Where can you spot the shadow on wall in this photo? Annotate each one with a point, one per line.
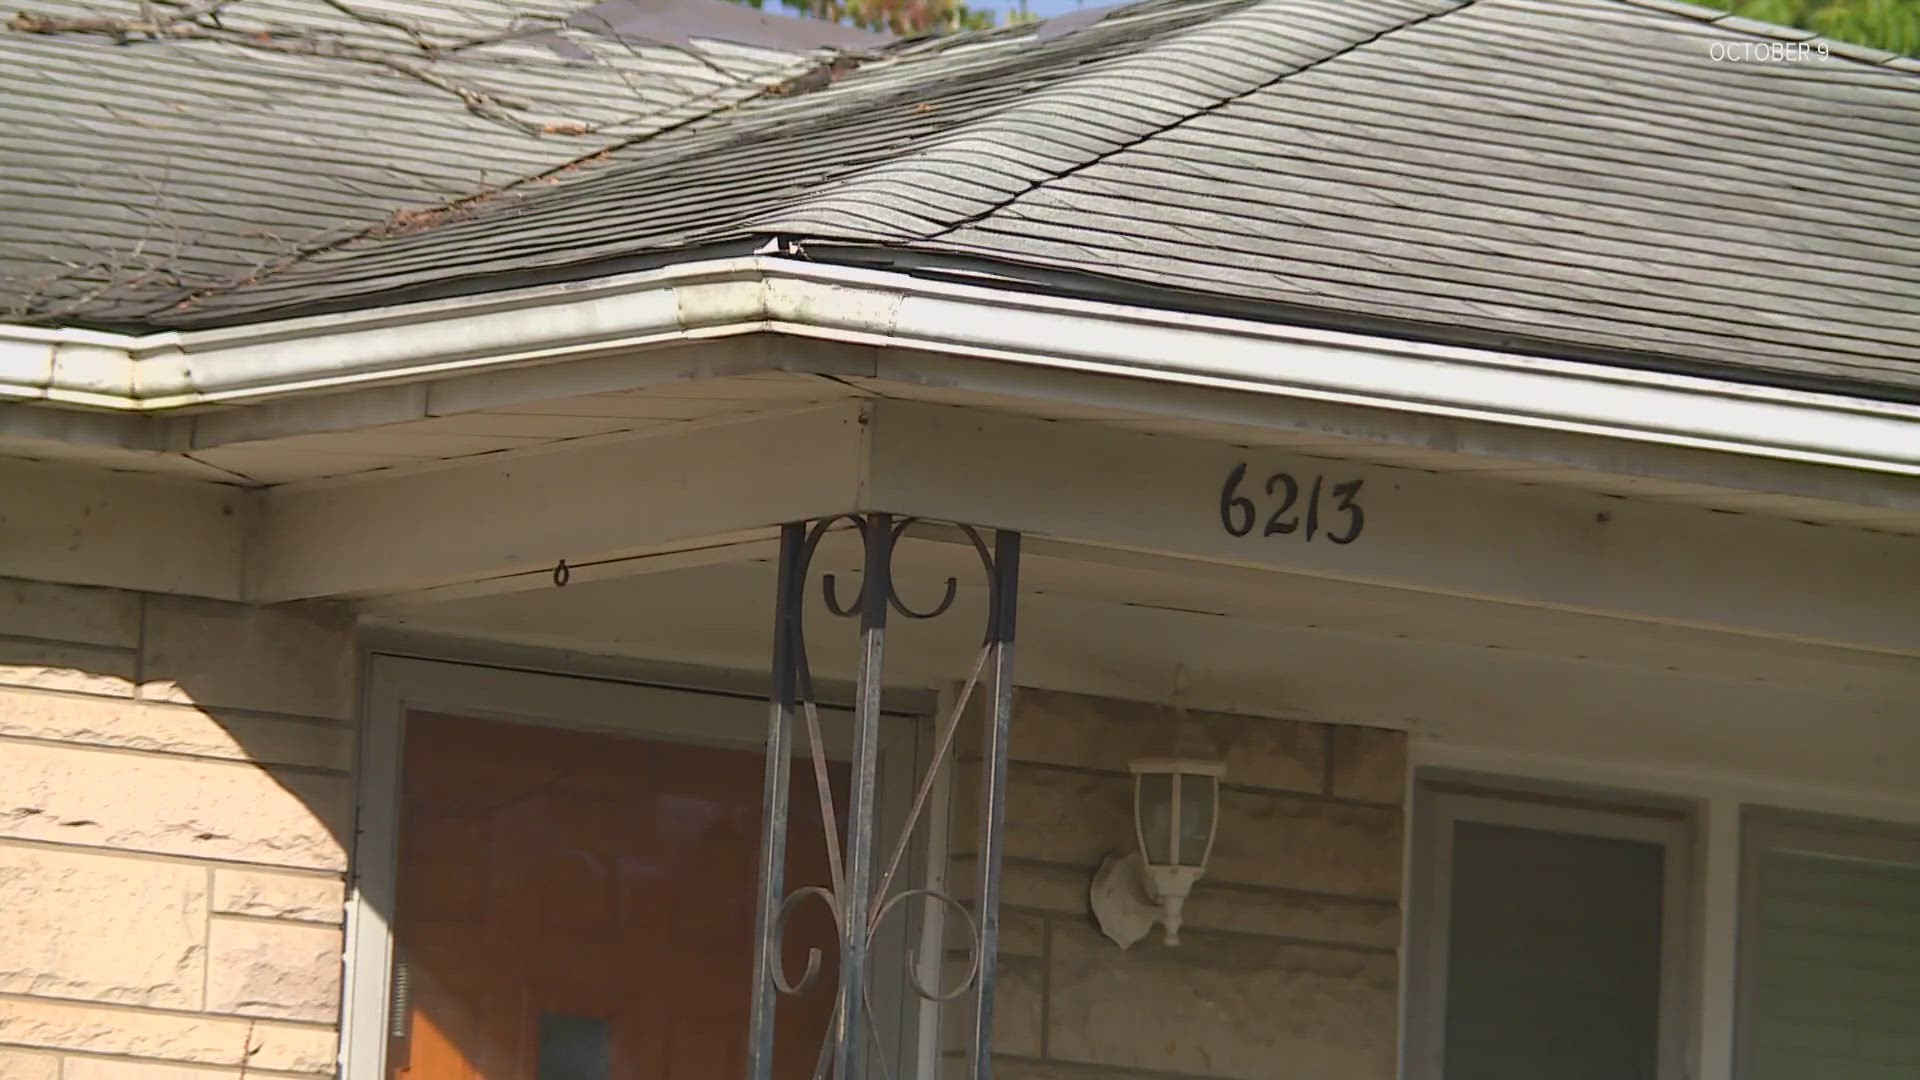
(176, 807)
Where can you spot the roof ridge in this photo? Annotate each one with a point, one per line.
(1242, 49)
(1759, 28)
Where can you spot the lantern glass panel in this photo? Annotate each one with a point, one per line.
(1197, 805)
(1153, 802)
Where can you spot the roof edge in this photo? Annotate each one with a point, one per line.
(249, 365)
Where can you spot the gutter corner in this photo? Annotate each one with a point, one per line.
(730, 303)
(804, 302)
(162, 371)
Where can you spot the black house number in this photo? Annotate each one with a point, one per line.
(1239, 513)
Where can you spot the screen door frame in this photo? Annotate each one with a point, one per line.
(397, 685)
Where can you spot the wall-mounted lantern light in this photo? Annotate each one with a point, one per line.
(1176, 812)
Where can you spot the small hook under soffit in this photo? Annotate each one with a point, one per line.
(562, 573)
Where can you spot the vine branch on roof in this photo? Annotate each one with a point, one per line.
(201, 22)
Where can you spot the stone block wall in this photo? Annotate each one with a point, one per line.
(174, 811)
(1288, 963)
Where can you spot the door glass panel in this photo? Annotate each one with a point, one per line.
(574, 1047)
(1554, 956)
(580, 906)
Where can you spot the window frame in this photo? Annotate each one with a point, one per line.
(1439, 804)
(1765, 829)
(397, 684)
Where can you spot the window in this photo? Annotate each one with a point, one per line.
(1549, 939)
(1829, 951)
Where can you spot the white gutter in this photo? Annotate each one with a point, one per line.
(413, 342)
(247, 364)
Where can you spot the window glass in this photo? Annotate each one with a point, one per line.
(1549, 936)
(1833, 947)
(1554, 956)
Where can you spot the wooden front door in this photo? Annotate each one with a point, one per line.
(580, 906)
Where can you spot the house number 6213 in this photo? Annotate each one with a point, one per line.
(1239, 514)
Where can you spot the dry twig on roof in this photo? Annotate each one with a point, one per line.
(202, 24)
(177, 20)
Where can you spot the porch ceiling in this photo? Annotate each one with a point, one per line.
(1101, 622)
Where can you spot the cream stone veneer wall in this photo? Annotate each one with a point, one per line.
(1287, 966)
(174, 798)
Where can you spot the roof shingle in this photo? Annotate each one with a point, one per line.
(139, 172)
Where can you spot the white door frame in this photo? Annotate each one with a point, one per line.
(398, 684)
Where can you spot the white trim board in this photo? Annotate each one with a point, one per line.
(1628, 773)
(89, 526)
(485, 519)
(712, 492)
(1446, 534)
(492, 523)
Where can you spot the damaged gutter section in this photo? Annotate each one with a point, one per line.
(158, 373)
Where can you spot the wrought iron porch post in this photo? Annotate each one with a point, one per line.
(876, 592)
(993, 788)
(862, 893)
(776, 791)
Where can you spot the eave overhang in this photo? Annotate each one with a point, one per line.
(178, 372)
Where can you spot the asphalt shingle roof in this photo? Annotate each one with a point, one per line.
(1579, 177)
(135, 173)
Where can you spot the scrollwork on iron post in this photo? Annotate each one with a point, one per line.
(859, 903)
